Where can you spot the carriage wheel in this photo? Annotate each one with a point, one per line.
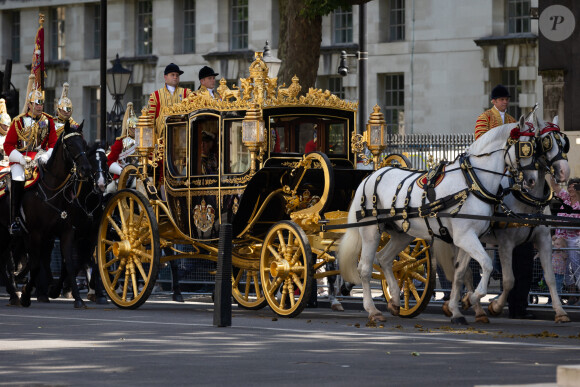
(415, 271)
(130, 171)
(128, 250)
(395, 159)
(247, 290)
(286, 269)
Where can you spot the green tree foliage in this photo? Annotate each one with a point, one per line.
(301, 36)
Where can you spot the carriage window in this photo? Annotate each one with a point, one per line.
(205, 140)
(307, 135)
(336, 139)
(177, 149)
(238, 156)
(278, 140)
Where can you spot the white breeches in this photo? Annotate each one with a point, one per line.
(17, 172)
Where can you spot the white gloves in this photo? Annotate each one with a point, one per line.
(115, 168)
(43, 159)
(17, 157)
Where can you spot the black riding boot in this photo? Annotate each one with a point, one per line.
(16, 188)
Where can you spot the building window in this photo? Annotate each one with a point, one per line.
(134, 94)
(343, 25)
(335, 86)
(97, 31)
(50, 101)
(144, 27)
(511, 80)
(94, 113)
(188, 85)
(394, 102)
(189, 26)
(57, 33)
(15, 32)
(396, 20)
(239, 25)
(518, 16)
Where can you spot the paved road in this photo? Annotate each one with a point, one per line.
(164, 343)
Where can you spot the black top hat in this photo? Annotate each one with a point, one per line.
(500, 91)
(172, 68)
(206, 72)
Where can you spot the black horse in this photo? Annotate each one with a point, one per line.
(44, 210)
(84, 215)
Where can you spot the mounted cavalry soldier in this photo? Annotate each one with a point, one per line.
(31, 136)
(64, 109)
(123, 147)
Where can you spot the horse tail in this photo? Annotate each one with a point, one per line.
(348, 253)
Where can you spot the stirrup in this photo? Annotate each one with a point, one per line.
(16, 228)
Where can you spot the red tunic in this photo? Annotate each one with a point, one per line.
(46, 140)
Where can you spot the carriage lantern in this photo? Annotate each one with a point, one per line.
(144, 134)
(253, 133)
(375, 134)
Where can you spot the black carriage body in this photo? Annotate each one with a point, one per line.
(199, 198)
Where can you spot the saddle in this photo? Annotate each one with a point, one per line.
(431, 179)
(31, 179)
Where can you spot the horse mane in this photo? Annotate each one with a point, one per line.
(482, 144)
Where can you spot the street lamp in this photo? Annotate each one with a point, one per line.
(117, 81)
(272, 63)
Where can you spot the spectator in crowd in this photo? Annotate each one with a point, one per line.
(571, 198)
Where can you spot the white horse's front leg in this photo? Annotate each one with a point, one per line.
(458, 279)
(470, 243)
(386, 257)
(505, 251)
(370, 243)
(544, 244)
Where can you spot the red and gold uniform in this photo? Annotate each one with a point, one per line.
(123, 147)
(489, 119)
(163, 98)
(27, 135)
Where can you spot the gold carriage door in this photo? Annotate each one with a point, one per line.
(205, 164)
(176, 176)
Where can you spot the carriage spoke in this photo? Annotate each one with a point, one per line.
(112, 222)
(256, 284)
(298, 282)
(140, 268)
(142, 254)
(274, 253)
(111, 262)
(274, 286)
(238, 278)
(122, 217)
(131, 207)
(283, 297)
(282, 241)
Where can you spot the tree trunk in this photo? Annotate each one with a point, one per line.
(299, 45)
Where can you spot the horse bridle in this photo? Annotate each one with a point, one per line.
(75, 157)
(101, 171)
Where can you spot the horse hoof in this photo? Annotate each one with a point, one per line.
(377, 318)
(177, 297)
(482, 318)
(53, 292)
(42, 298)
(14, 301)
(102, 300)
(92, 297)
(394, 309)
(337, 307)
(491, 310)
(446, 309)
(563, 318)
(80, 304)
(25, 301)
(459, 321)
(465, 303)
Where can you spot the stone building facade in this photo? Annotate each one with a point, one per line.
(431, 64)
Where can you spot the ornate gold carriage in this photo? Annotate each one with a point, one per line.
(273, 164)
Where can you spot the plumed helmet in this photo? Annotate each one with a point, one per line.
(129, 120)
(4, 117)
(64, 102)
(36, 95)
(500, 91)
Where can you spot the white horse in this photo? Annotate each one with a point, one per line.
(552, 155)
(475, 177)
